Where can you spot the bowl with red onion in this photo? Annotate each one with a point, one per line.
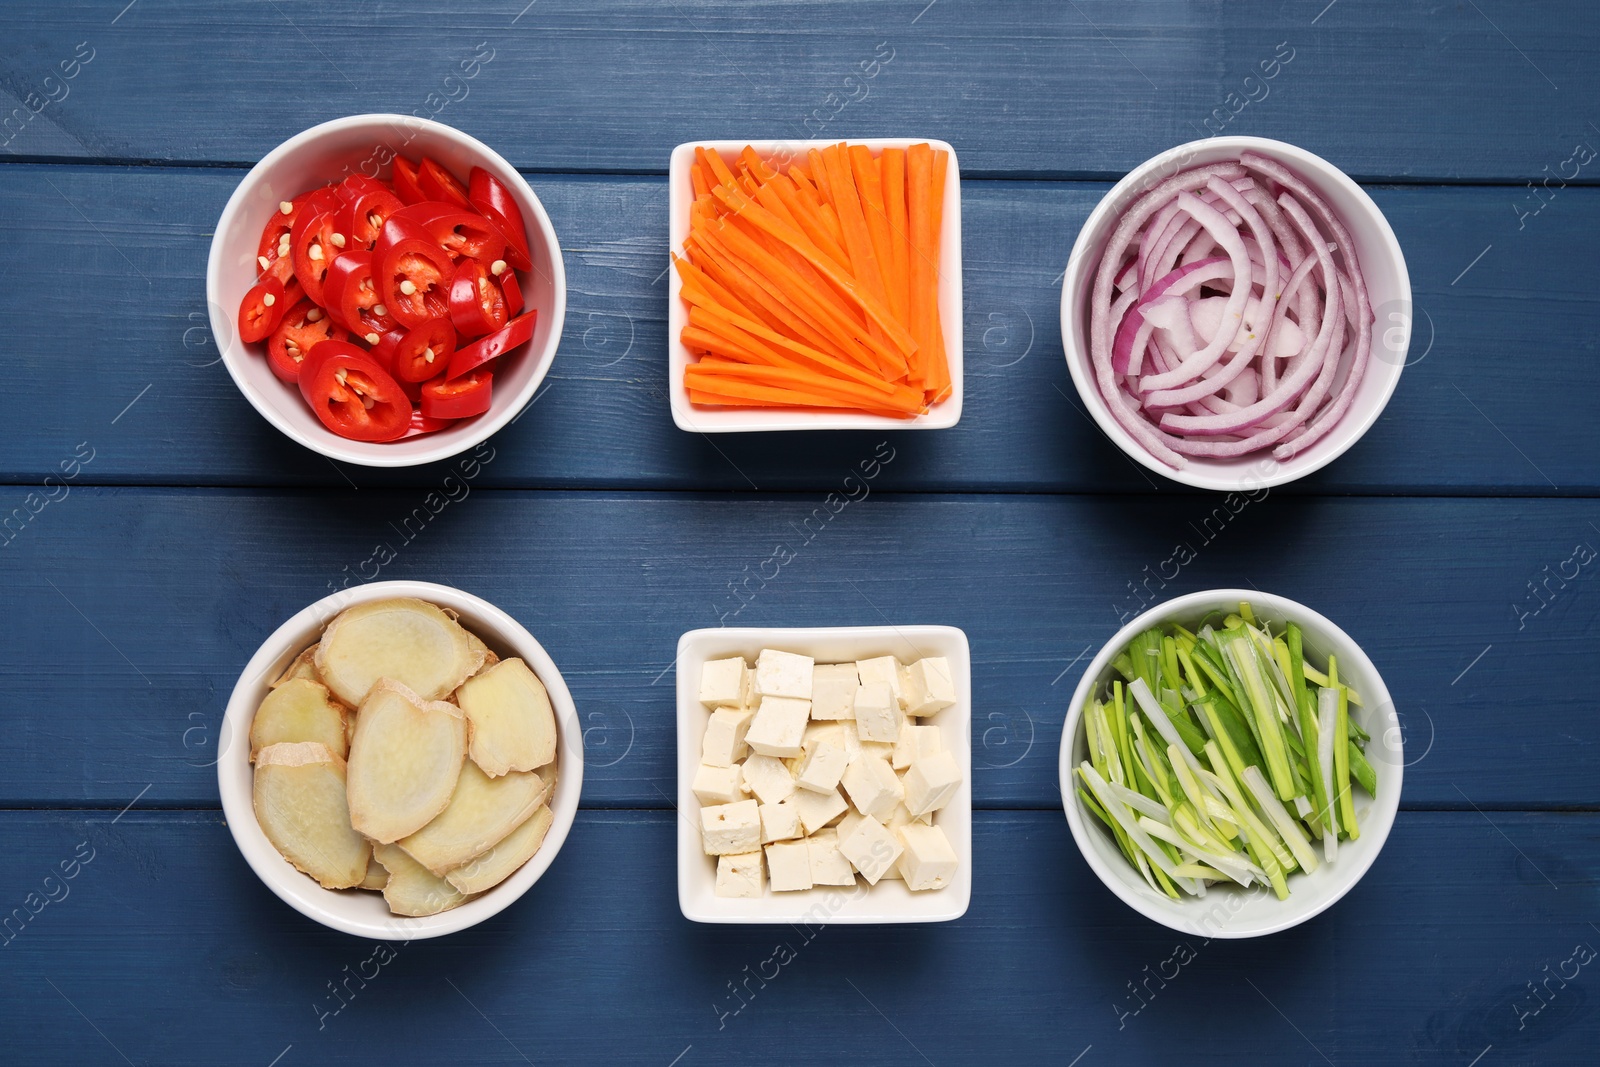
(1236, 313)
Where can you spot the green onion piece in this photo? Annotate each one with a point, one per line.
(1341, 762)
(1361, 770)
(1263, 713)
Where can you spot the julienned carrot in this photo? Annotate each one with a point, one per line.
(771, 397)
(847, 394)
(894, 202)
(935, 364)
(857, 241)
(819, 175)
(869, 185)
(715, 166)
(809, 219)
(697, 178)
(776, 343)
(726, 278)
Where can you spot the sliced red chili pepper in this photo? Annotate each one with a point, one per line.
(425, 350)
(477, 306)
(405, 181)
(458, 398)
(363, 219)
(353, 395)
(276, 229)
(421, 424)
(383, 353)
(350, 296)
(297, 334)
(312, 247)
(440, 184)
(461, 233)
(475, 355)
(513, 290)
(420, 266)
(262, 309)
(487, 194)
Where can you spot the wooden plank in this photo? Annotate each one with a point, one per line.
(1020, 89)
(130, 612)
(1428, 959)
(113, 315)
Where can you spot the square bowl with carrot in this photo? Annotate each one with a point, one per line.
(815, 285)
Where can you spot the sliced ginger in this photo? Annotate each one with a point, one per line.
(299, 710)
(303, 666)
(300, 804)
(501, 861)
(404, 761)
(513, 726)
(482, 812)
(407, 640)
(411, 888)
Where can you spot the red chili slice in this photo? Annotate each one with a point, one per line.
(513, 290)
(312, 247)
(363, 219)
(425, 350)
(405, 180)
(418, 265)
(461, 233)
(262, 309)
(440, 184)
(475, 355)
(496, 203)
(421, 424)
(276, 229)
(477, 306)
(458, 398)
(352, 395)
(296, 335)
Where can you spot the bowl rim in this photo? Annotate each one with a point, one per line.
(1380, 817)
(1265, 471)
(326, 442)
(943, 416)
(235, 775)
(799, 907)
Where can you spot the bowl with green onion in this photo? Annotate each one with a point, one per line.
(1231, 763)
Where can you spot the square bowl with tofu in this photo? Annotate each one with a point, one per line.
(400, 760)
(824, 775)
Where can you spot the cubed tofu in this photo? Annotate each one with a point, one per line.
(767, 778)
(930, 687)
(717, 785)
(877, 713)
(784, 674)
(831, 732)
(851, 820)
(828, 865)
(789, 866)
(872, 785)
(740, 876)
(779, 726)
(930, 783)
(833, 691)
(722, 682)
(885, 670)
(821, 767)
(723, 744)
(780, 822)
(871, 848)
(915, 741)
(818, 809)
(929, 861)
(731, 829)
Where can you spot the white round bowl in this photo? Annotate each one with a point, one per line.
(1227, 910)
(366, 144)
(355, 911)
(1382, 263)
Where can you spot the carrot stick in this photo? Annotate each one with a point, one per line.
(935, 363)
(809, 219)
(819, 175)
(773, 311)
(869, 183)
(799, 378)
(919, 189)
(697, 178)
(894, 198)
(717, 320)
(770, 397)
(857, 241)
(715, 166)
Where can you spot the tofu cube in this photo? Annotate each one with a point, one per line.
(780, 822)
(740, 876)
(767, 778)
(930, 783)
(929, 861)
(847, 825)
(723, 744)
(823, 765)
(929, 686)
(731, 829)
(877, 714)
(915, 741)
(779, 726)
(828, 865)
(833, 691)
(873, 786)
(871, 848)
(722, 682)
(717, 785)
(789, 866)
(818, 809)
(883, 670)
(783, 674)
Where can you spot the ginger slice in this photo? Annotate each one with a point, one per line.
(489, 658)
(377, 876)
(513, 725)
(501, 861)
(300, 804)
(482, 812)
(404, 761)
(408, 640)
(412, 889)
(304, 666)
(299, 710)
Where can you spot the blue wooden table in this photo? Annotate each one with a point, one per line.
(1447, 541)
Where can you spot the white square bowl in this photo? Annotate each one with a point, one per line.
(737, 420)
(887, 902)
